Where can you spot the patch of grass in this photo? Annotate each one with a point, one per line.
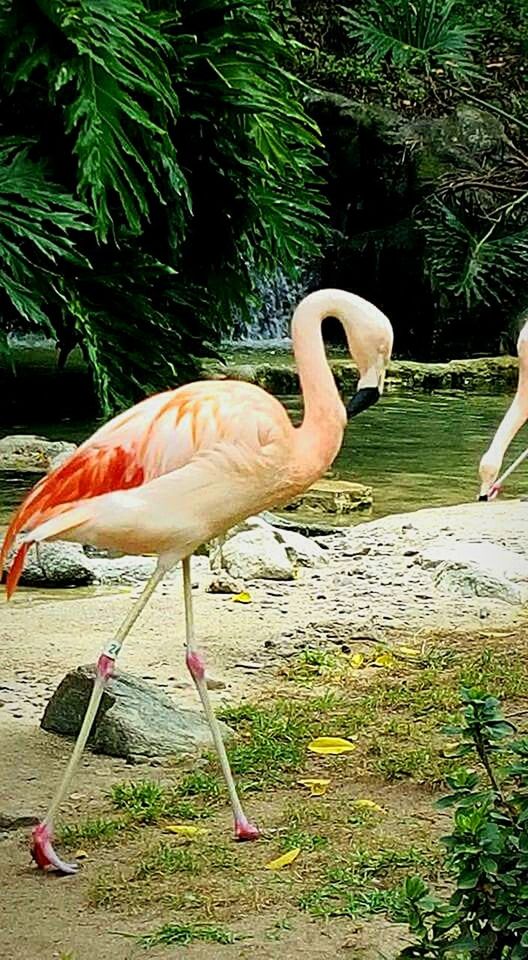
(307, 842)
(185, 933)
(315, 663)
(199, 783)
(272, 740)
(148, 802)
(364, 884)
(93, 830)
(151, 877)
(165, 859)
(144, 800)
(278, 928)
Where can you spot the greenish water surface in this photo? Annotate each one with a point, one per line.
(414, 450)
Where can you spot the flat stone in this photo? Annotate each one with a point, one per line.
(470, 580)
(32, 454)
(334, 497)
(16, 820)
(491, 557)
(135, 718)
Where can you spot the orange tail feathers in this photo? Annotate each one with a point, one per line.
(16, 569)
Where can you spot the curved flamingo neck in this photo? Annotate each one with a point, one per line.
(321, 432)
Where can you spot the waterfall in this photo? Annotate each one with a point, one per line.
(276, 296)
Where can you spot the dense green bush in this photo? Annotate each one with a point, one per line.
(153, 156)
(486, 917)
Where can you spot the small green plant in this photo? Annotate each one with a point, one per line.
(301, 838)
(365, 884)
(146, 801)
(487, 850)
(186, 933)
(96, 830)
(427, 34)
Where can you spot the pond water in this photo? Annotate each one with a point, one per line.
(414, 450)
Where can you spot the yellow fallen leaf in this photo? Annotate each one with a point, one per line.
(81, 855)
(284, 860)
(365, 804)
(331, 745)
(242, 598)
(186, 831)
(385, 660)
(357, 660)
(410, 652)
(316, 785)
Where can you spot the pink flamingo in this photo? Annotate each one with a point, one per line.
(184, 466)
(514, 418)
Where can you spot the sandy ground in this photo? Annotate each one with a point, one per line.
(374, 587)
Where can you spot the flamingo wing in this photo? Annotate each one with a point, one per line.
(158, 435)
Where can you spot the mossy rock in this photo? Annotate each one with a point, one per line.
(482, 373)
(333, 496)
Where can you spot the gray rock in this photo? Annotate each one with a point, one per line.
(491, 557)
(135, 718)
(252, 552)
(309, 528)
(225, 584)
(123, 569)
(26, 452)
(301, 549)
(16, 820)
(57, 564)
(470, 580)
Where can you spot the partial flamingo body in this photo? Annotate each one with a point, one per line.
(183, 467)
(514, 418)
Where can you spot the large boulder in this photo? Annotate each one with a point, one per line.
(136, 720)
(56, 564)
(28, 453)
(252, 551)
(255, 550)
(474, 569)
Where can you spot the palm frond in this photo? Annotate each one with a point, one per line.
(476, 266)
(427, 32)
(118, 97)
(39, 226)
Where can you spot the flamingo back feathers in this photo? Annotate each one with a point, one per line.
(157, 436)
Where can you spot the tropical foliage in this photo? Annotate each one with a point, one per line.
(154, 156)
(428, 169)
(486, 850)
(426, 33)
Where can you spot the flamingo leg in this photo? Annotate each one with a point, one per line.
(244, 829)
(42, 848)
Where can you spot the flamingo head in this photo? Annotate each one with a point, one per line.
(370, 386)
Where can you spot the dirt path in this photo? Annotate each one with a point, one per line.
(375, 589)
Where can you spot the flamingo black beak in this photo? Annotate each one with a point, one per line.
(364, 398)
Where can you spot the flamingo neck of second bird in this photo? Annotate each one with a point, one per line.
(321, 432)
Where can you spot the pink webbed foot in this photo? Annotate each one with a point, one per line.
(244, 830)
(43, 853)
